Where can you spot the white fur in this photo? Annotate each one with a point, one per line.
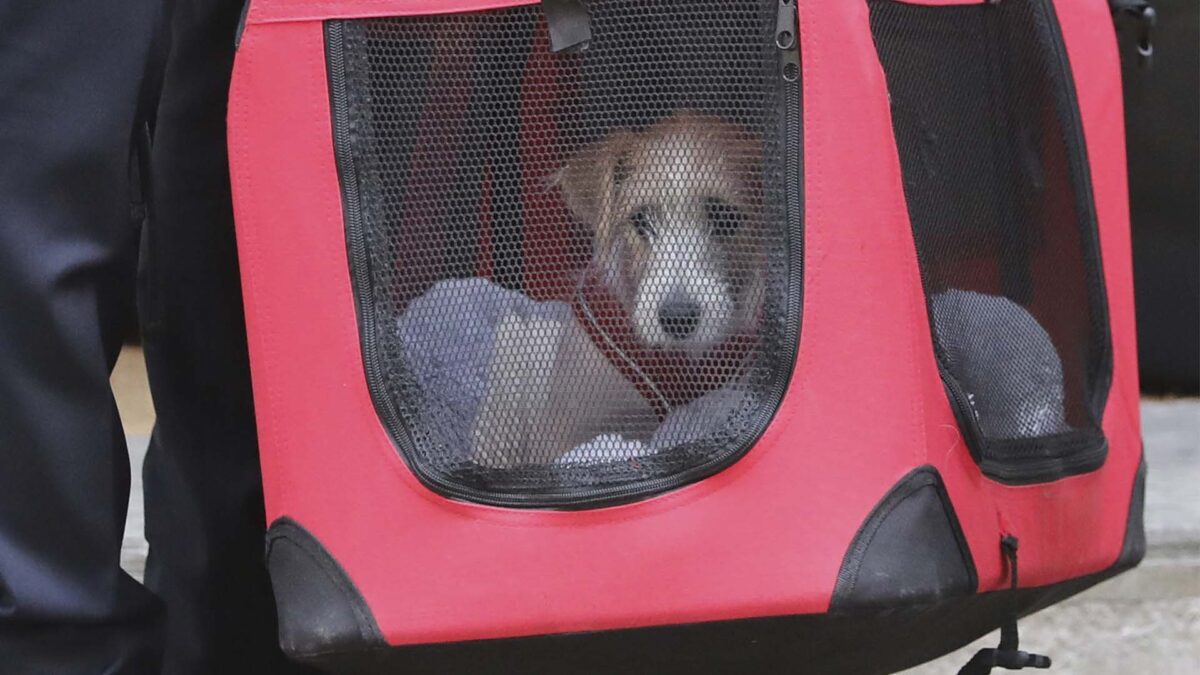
(683, 265)
(684, 262)
(668, 175)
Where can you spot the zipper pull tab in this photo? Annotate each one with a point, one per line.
(787, 38)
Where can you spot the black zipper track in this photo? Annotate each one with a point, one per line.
(579, 498)
(356, 245)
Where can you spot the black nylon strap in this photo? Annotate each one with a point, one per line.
(1006, 655)
(1146, 17)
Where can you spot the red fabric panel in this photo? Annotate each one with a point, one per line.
(276, 11)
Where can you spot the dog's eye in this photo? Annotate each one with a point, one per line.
(640, 221)
(723, 217)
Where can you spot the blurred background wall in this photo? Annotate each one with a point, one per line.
(1162, 117)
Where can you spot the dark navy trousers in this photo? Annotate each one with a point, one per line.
(114, 186)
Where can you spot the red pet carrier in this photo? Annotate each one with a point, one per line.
(707, 336)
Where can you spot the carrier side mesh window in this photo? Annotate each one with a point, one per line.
(998, 193)
(577, 273)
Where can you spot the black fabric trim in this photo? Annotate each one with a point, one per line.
(1134, 547)
(320, 610)
(1018, 463)
(867, 642)
(569, 24)
(936, 562)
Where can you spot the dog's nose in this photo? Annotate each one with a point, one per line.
(679, 318)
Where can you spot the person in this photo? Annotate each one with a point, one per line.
(113, 178)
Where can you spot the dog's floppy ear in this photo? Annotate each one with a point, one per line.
(590, 177)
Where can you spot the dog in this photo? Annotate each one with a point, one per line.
(675, 214)
(648, 352)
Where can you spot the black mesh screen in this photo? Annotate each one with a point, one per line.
(577, 273)
(999, 197)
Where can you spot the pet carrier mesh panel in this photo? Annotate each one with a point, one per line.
(523, 295)
(998, 190)
(574, 271)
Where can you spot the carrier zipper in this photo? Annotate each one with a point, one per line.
(1048, 469)
(356, 244)
(786, 39)
(789, 72)
(787, 25)
(360, 261)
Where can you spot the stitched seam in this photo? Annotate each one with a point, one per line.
(303, 541)
(920, 479)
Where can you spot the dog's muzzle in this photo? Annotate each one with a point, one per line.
(679, 318)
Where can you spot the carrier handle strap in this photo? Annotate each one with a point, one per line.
(1146, 17)
(1006, 655)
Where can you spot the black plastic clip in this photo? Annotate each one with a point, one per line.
(569, 23)
(1147, 17)
(1006, 655)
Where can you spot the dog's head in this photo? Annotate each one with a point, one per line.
(676, 216)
